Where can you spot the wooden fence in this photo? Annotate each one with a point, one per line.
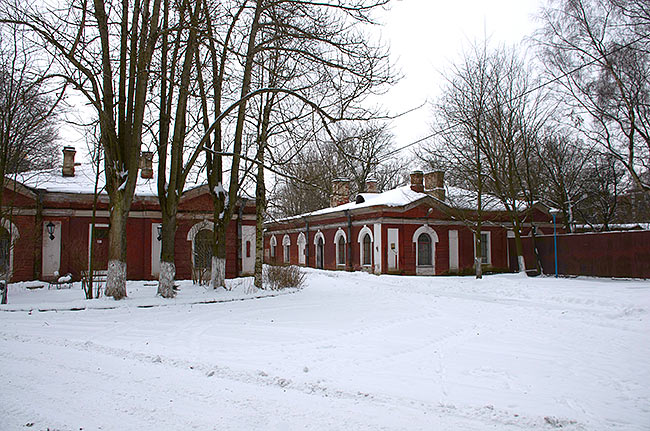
(601, 254)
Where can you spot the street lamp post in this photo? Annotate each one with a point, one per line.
(554, 213)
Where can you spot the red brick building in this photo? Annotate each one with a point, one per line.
(48, 219)
(419, 229)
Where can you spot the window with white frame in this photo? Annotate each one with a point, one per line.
(286, 246)
(486, 248)
(340, 251)
(340, 241)
(366, 250)
(365, 246)
(274, 243)
(425, 254)
(302, 242)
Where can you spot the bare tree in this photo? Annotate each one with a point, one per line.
(104, 51)
(313, 34)
(178, 49)
(460, 124)
(598, 51)
(360, 151)
(28, 109)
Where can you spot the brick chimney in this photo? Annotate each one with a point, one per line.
(416, 181)
(68, 161)
(434, 184)
(146, 164)
(340, 192)
(371, 185)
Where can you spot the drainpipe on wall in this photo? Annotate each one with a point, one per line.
(349, 244)
(307, 242)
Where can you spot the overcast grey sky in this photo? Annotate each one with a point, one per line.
(426, 36)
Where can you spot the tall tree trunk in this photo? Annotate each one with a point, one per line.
(167, 266)
(521, 262)
(218, 274)
(260, 204)
(116, 275)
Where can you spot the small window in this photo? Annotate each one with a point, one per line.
(367, 250)
(341, 251)
(485, 248)
(248, 249)
(286, 253)
(486, 258)
(424, 250)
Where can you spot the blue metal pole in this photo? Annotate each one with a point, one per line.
(555, 242)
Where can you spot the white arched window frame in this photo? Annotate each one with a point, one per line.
(340, 254)
(429, 269)
(286, 248)
(14, 235)
(362, 253)
(319, 236)
(301, 242)
(273, 243)
(191, 234)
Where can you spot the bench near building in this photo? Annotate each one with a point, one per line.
(48, 220)
(418, 229)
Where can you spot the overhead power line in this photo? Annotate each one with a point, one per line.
(525, 93)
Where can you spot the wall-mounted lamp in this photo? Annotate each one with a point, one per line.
(50, 229)
(159, 230)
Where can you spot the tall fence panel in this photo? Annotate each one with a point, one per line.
(602, 254)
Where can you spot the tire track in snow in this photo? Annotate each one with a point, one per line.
(488, 414)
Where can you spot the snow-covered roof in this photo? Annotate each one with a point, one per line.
(83, 181)
(455, 197)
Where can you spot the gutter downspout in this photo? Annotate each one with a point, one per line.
(307, 243)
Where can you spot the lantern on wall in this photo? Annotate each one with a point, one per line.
(159, 230)
(50, 229)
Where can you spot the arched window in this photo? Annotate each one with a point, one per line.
(203, 249)
(367, 250)
(424, 244)
(302, 242)
(340, 240)
(5, 250)
(424, 250)
(286, 244)
(340, 251)
(319, 252)
(273, 243)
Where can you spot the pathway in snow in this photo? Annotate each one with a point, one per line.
(350, 351)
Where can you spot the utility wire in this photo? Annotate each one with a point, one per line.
(525, 93)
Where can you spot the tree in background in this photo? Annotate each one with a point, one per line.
(28, 110)
(460, 121)
(598, 51)
(359, 152)
(28, 128)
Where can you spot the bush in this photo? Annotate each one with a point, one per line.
(282, 277)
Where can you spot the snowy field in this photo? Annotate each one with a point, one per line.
(348, 352)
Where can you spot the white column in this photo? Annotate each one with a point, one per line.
(377, 248)
(453, 250)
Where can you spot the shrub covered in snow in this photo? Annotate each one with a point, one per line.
(282, 277)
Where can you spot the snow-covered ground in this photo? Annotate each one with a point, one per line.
(348, 352)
